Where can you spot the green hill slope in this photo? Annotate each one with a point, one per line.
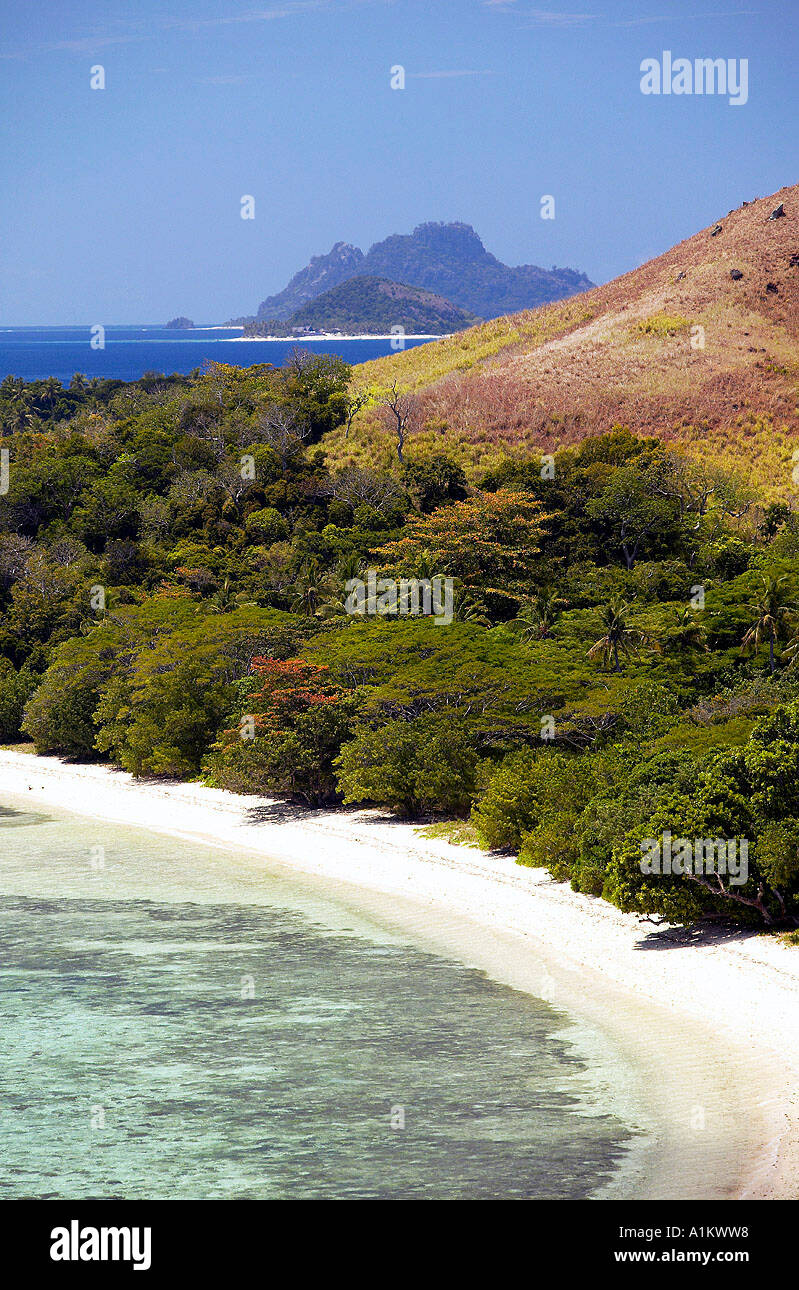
(372, 306)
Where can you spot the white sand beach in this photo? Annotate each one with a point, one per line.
(708, 1025)
(339, 335)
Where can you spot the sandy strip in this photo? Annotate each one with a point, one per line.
(705, 1030)
(337, 335)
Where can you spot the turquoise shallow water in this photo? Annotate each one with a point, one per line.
(177, 1022)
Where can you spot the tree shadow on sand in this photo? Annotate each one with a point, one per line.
(669, 936)
(279, 812)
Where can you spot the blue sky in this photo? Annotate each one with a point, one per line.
(123, 204)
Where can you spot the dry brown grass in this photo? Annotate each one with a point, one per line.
(551, 376)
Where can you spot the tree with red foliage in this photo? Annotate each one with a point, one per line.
(292, 721)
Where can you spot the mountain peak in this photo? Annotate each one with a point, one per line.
(455, 236)
(448, 259)
(341, 249)
(320, 274)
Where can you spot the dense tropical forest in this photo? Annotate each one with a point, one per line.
(623, 657)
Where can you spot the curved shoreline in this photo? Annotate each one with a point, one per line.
(705, 1025)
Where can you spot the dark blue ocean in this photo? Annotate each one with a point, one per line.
(38, 352)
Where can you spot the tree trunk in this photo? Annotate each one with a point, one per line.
(720, 890)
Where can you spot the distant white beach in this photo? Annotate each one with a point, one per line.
(337, 335)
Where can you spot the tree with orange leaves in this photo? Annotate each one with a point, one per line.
(489, 542)
(291, 722)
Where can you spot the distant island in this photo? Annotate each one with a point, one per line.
(180, 324)
(368, 305)
(449, 261)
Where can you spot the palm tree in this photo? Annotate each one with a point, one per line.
(349, 566)
(20, 414)
(619, 637)
(687, 635)
(538, 619)
(791, 652)
(310, 589)
(12, 386)
(424, 565)
(51, 390)
(468, 610)
(223, 600)
(773, 616)
(331, 599)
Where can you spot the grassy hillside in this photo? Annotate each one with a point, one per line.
(700, 345)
